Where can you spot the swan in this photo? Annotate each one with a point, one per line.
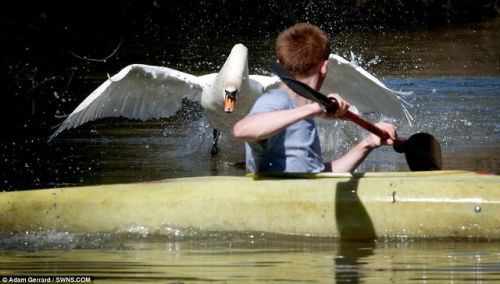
(145, 92)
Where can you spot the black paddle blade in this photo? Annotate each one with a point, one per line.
(422, 152)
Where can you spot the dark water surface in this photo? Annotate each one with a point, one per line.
(455, 76)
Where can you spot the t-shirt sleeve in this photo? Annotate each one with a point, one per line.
(272, 101)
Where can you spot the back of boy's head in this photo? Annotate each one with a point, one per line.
(301, 47)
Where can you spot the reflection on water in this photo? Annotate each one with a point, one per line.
(257, 258)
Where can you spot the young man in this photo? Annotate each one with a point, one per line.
(280, 131)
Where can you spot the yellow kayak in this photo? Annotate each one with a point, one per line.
(438, 204)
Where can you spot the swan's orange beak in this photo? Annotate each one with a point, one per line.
(229, 101)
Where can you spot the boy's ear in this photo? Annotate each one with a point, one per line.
(324, 68)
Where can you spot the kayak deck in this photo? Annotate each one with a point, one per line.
(443, 204)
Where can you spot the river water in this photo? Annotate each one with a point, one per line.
(252, 259)
(454, 73)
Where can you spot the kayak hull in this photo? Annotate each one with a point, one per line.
(444, 204)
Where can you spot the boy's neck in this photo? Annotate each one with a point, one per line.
(312, 81)
(298, 99)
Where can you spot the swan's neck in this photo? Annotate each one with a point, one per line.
(235, 69)
(233, 77)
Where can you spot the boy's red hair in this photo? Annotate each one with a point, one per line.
(301, 47)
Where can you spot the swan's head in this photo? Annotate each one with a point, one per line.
(235, 76)
(230, 96)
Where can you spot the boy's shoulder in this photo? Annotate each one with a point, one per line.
(275, 99)
(276, 95)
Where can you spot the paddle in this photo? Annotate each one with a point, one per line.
(422, 150)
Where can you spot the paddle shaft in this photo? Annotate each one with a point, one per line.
(366, 125)
(422, 150)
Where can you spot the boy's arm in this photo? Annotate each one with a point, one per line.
(260, 126)
(351, 160)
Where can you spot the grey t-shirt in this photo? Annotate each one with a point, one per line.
(294, 149)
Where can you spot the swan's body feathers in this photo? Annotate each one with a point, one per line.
(267, 83)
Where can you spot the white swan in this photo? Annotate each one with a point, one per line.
(152, 92)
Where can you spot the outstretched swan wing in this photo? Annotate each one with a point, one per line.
(137, 92)
(362, 89)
